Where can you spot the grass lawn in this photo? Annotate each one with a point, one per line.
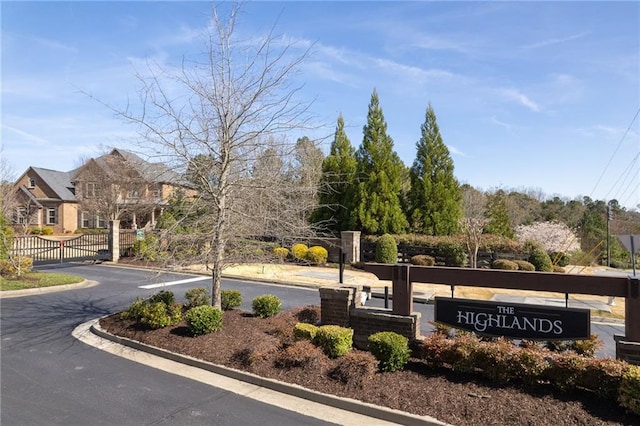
(37, 279)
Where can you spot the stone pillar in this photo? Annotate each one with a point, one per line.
(114, 240)
(351, 245)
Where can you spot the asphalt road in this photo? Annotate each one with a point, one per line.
(50, 378)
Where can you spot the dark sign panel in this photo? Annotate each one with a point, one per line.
(514, 320)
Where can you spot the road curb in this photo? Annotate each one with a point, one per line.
(45, 290)
(347, 404)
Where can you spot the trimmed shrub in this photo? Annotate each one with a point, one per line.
(305, 331)
(198, 296)
(163, 296)
(422, 260)
(203, 319)
(230, 299)
(47, 230)
(266, 305)
(386, 250)
(541, 260)
(504, 264)
(317, 254)
(629, 390)
(135, 311)
(148, 248)
(391, 349)
(355, 369)
(281, 252)
(299, 251)
(454, 254)
(335, 341)
(523, 265)
(158, 315)
(299, 354)
(603, 377)
(35, 231)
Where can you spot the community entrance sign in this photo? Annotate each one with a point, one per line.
(513, 320)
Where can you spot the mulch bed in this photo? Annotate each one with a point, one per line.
(257, 345)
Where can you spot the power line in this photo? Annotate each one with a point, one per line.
(615, 152)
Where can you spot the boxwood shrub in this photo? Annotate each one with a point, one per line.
(230, 299)
(391, 349)
(386, 250)
(317, 254)
(306, 331)
(335, 341)
(198, 296)
(203, 320)
(504, 264)
(266, 306)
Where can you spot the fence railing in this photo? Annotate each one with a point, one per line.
(45, 250)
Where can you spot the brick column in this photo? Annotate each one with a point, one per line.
(336, 304)
(351, 245)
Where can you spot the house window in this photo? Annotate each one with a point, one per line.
(155, 191)
(21, 215)
(86, 223)
(52, 216)
(32, 183)
(100, 222)
(133, 193)
(91, 189)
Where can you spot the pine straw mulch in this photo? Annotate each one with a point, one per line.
(266, 347)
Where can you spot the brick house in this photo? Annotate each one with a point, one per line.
(119, 185)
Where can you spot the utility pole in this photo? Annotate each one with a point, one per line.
(609, 217)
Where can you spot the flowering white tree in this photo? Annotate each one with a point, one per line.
(552, 236)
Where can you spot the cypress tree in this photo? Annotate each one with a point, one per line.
(435, 197)
(379, 171)
(337, 183)
(498, 215)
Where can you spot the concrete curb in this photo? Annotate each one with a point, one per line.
(347, 404)
(45, 290)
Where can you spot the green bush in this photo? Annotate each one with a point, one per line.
(629, 390)
(504, 264)
(135, 311)
(158, 315)
(454, 254)
(266, 305)
(47, 230)
(299, 251)
(203, 319)
(8, 269)
(391, 349)
(230, 299)
(305, 331)
(541, 260)
(198, 296)
(523, 265)
(422, 260)
(147, 248)
(317, 254)
(386, 250)
(560, 258)
(281, 252)
(35, 231)
(335, 341)
(163, 296)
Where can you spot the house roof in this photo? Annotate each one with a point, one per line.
(59, 182)
(150, 172)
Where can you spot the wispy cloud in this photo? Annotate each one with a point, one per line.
(520, 98)
(54, 44)
(25, 135)
(552, 41)
(502, 124)
(455, 151)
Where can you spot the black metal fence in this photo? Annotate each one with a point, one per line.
(45, 250)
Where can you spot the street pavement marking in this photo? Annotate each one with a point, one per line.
(170, 283)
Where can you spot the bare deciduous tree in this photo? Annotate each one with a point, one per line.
(212, 117)
(473, 221)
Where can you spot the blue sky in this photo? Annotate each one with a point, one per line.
(528, 95)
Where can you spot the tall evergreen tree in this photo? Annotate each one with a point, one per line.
(435, 197)
(498, 215)
(337, 183)
(379, 173)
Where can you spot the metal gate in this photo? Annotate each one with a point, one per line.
(59, 250)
